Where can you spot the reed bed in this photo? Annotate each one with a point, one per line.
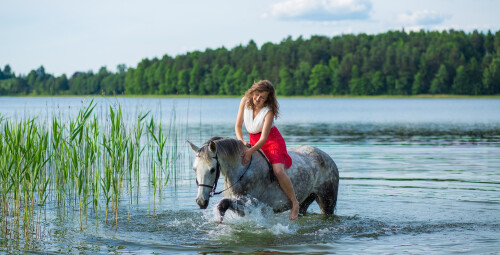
(87, 164)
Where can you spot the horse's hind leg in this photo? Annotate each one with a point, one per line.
(306, 203)
(327, 199)
(234, 205)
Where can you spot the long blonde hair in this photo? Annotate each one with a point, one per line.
(263, 86)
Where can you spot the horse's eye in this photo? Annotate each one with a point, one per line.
(212, 170)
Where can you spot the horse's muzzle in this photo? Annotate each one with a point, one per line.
(202, 203)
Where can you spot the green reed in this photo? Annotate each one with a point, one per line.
(160, 174)
(81, 152)
(135, 150)
(82, 163)
(23, 158)
(115, 142)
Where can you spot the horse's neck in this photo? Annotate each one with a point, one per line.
(233, 171)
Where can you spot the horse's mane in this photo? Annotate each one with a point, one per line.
(226, 147)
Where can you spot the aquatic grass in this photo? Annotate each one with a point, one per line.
(153, 173)
(95, 171)
(57, 159)
(82, 155)
(161, 174)
(23, 158)
(135, 150)
(116, 146)
(176, 157)
(81, 164)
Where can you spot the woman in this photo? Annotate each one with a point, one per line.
(258, 109)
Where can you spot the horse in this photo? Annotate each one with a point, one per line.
(313, 173)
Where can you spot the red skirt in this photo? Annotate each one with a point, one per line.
(274, 147)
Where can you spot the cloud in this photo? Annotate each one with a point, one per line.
(425, 17)
(320, 10)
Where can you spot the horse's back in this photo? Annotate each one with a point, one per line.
(320, 158)
(314, 163)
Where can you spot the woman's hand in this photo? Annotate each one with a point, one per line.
(247, 155)
(247, 144)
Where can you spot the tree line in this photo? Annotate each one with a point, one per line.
(391, 63)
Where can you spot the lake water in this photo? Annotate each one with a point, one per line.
(417, 176)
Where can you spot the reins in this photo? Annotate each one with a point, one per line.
(217, 174)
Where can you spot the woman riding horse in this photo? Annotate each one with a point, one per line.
(247, 178)
(258, 109)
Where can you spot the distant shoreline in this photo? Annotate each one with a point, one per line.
(425, 96)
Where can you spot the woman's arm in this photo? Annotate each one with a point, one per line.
(239, 123)
(268, 122)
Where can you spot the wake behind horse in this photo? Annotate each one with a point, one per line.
(314, 176)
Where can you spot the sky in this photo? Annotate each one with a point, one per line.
(69, 36)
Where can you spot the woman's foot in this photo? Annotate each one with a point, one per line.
(294, 212)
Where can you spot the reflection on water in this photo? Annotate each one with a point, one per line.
(417, 176)
(393, 134)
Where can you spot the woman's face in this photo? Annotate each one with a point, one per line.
(259, 98)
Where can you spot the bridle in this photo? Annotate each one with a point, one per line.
(217, 174)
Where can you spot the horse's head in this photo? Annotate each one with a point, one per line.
(207, 169)
(215, 152)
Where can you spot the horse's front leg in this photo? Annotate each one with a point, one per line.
(235, 205)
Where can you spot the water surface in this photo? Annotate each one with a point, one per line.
(417, 176)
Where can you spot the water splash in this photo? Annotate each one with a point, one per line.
(259, 221)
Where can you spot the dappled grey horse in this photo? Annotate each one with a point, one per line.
(313, 173)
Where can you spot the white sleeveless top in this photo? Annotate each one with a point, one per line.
(255, 126)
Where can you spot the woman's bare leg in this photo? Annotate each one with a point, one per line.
(286, 185)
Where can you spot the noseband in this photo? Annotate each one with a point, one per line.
(217, 174)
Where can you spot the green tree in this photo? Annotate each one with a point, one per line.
(169, 87)
(377, 83)
(285, 85)
(182, 86)
(7, 71)
(62, 83)
(320, 80)
(253, 77)
(474, 74)
(461, 82)
(416, 87)
(194, 79)
(226, 87)
(356, 85)
(491, 78)
(150, 83)
(141, 78)
(108, 85)
(390, 83)
(206, 86)
(238, 80)
(439, 84)
(13, 86)
(131, 86)
(345, 68)
(335, 79)
(121, 68)
(301, 78)
(395, 62)
(402, 86)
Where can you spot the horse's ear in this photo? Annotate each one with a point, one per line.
(193, 147)
(212, 147)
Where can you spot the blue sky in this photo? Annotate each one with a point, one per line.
(68, 36)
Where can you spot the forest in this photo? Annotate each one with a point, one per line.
(390, 63)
